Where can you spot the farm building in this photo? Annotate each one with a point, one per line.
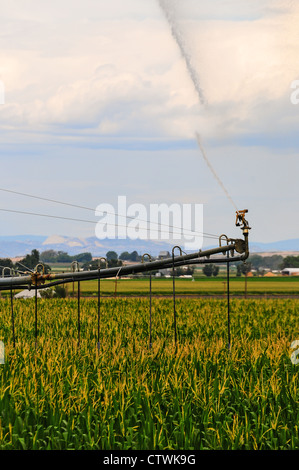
(26, 294)
(164, 255)
(290, 272)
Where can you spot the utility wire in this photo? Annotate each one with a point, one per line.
(83, 220)
(209, 235)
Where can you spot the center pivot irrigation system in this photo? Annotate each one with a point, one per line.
(232, 251)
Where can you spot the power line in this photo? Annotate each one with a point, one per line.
(84, 220)
(208, 235)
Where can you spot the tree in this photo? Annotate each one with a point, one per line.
(113, 263)
(181, 271)
(243, 268)
(30, 261)
(48, 256)
(210, 270)
(125, 255)
(134, 256)
(83, 257)
(215, 270)
(290, 262)
(111, 255)
(52, 256)
(262, 262)
(63, 257)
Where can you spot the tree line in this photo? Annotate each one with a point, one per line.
(30, 261)
(52, 256)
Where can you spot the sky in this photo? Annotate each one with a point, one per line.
(99, 103)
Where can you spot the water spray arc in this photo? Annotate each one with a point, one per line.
(169, 13)
(179, 39)
(213, 171)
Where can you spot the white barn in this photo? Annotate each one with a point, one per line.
(290, 271)
(27, 294)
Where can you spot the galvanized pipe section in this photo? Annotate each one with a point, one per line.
(30, 280)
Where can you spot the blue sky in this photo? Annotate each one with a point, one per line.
(99, 103)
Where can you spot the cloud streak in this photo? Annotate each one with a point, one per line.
(86, 73)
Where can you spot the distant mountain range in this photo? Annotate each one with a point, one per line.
(13, 246)
(276, 247)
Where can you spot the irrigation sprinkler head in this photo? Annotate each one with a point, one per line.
(241, 246)
(241, 221)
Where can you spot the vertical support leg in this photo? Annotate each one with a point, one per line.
(35, 317)
(12, 318)
(228, 306)
(150, 312)
(115, 286)
(99, 299)
(245, 293)
(99, 311)
(79, 313)
(173, 295)
(150, 301)
(173, 287)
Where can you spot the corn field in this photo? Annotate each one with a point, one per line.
(193, 395)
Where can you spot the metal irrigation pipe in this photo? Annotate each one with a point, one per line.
(140, 267)
(239, 245)
(25, 282)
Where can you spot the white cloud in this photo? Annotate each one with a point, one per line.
(107, 69)
(85, 74)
